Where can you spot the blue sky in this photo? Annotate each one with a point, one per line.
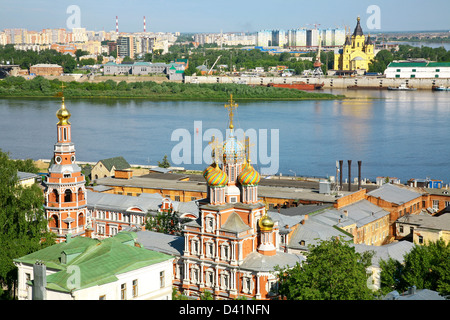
(225, 15)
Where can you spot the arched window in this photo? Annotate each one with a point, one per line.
(54, 223)
(80, 219)
(67, 195)
(80, 194)
(54, 196)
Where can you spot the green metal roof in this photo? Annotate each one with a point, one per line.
(117, 162)
(438, 64)
(98, 261)
(418, 64)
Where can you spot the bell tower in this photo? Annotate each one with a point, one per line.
(65, 193)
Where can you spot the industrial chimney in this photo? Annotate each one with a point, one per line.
(359, 174)
(349, 175)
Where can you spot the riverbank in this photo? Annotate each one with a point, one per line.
(40, 87)
(329, 82)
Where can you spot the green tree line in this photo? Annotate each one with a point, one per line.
(42, 87)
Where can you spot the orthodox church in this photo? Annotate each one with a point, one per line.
(357, 53)
(231, 249)
(65, 193)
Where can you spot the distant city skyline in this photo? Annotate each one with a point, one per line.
(213, 16)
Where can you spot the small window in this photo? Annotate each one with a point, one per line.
(413, 76)
(162, 280)
(413, 70)
(135, 288)
(398, 70)
(420, 240)
(438, 70)
(123, 291)
(397, 76)
(177, 198)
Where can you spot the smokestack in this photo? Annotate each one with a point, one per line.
(341, 162)
(359, 174)
(145, 30)
(117, 24)
(349, 175)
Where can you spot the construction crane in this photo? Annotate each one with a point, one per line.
(209, 72)
(318, 64)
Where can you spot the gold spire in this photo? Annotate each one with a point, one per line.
(215, 148)
(230, 107)
(248, 146)
(63, 114)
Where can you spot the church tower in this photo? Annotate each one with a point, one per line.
(233, 232)
(357, 52)
(65, 193)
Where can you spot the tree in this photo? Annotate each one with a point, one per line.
(391, 275)
(79, 53)
(23, 225)
(425, 266)
(333, 271)
(381, 61)
(165, 221)
(165, 163)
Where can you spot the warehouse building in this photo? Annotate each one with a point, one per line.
(421, 70)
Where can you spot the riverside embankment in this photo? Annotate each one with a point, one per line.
(329, 82)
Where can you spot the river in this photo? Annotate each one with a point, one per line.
(395, 134)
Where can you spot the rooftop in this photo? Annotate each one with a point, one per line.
(425, 64)
(116, 162)
(145, 202)
(274, 188)
(395, 194)
(99, 261)
(441, 222)
(394, 250)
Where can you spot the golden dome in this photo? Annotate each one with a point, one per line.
(63, 114)
(266, 223)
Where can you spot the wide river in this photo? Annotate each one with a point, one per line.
(396, 134)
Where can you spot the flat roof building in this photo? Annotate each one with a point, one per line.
(422, 70)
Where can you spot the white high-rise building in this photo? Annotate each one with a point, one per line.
(264, 38)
